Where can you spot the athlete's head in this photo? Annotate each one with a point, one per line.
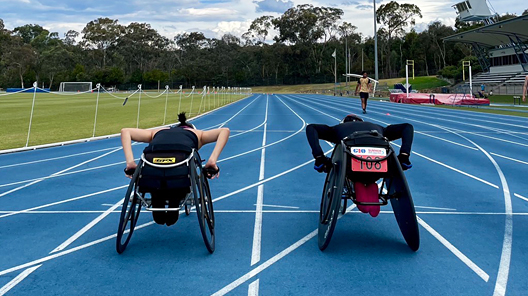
(351, 118)
(364, 73)
(183, 121)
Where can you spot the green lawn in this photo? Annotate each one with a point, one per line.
(493, 111)
(59, 118)
(425, 82)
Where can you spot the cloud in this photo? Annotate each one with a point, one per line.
(279, 6)
(365, 7)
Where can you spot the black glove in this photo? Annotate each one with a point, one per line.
(404, 161)
(322, 164)
(210, 172)
(129, 172)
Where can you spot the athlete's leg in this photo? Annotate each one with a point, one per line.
(404, 131)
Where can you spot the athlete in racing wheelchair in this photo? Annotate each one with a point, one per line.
(169, 177)
(362, 156)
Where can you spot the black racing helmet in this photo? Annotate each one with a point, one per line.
(351, 118)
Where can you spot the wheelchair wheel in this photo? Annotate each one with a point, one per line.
(203, 205)
(403, 207)
(331, 199)
(129, 213)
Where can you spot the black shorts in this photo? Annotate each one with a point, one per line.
(364, 95)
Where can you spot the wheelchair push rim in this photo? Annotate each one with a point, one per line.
(331, 198)
(203, 204)
(129, 213)
(403, 207)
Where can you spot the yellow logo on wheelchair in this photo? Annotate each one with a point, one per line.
(164, 160)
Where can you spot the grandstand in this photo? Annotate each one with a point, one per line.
(502, 52)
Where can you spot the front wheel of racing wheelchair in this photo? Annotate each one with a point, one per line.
(338, 188)
(199, 196)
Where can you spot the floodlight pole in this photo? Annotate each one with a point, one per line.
(375, 43)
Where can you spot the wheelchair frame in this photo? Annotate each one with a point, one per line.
(199, 197)
(394, 188)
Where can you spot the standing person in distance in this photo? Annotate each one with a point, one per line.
(364, 86)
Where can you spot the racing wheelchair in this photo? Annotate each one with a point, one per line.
(362, 159)
(170, 168)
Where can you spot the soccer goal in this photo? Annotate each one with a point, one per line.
(75, 86)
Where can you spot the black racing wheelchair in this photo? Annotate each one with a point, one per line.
(366, 157)
(169, 168)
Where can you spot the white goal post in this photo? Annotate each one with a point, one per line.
(75, 86)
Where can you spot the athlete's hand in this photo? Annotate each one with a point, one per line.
(130, 169)
(322, 164)
(211, 170)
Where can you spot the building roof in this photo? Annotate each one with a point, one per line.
(496, 34)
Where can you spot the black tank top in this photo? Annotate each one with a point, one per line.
(175, 136)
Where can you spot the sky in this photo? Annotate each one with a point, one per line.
(212, 17)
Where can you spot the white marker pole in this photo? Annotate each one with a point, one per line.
(32, 108)
(98, 86)
(192, 99)
(470, 83)
(139, 105)
(407, 79)
(181, 91)
(166, 100)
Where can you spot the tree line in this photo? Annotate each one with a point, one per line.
(114, 54)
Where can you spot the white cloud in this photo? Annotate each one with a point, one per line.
(212, 17)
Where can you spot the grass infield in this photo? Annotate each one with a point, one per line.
(58, 118)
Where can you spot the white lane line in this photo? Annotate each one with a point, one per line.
(520, 196)
(224, 123)
(88, 226)
(285, 212)
(257, 230)
(63, 201)
(54, 158)
(253, 289)
(271, 144)
(270, 261)
(18, 279)
(277, 206)
(66, 252)
(435, 208)
(454, 169)
(481, 273)
(509, 158)
(59, 172)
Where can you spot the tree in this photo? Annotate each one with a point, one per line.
(395, 17)
(525, 12)
(258, 30)
(69, 37)
(102, 33)
(29, 32)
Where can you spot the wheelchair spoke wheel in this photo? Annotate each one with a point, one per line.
(129, 214)
(403, 208)
(331, 199)
(204, 207)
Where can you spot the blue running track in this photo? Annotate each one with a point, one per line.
(59, 211)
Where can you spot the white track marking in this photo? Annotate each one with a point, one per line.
(59, 172)
(435, 208)
(450, 213)
(270, 144)
(66, 252)
(88, 226)
(253, 289)
(520, 196)
(509, 158)
(270, 261)
(17, 279)
(277, 206)
(63, 201)
(224, 123)
(481, 273)
(54, 158)
(257, 231)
